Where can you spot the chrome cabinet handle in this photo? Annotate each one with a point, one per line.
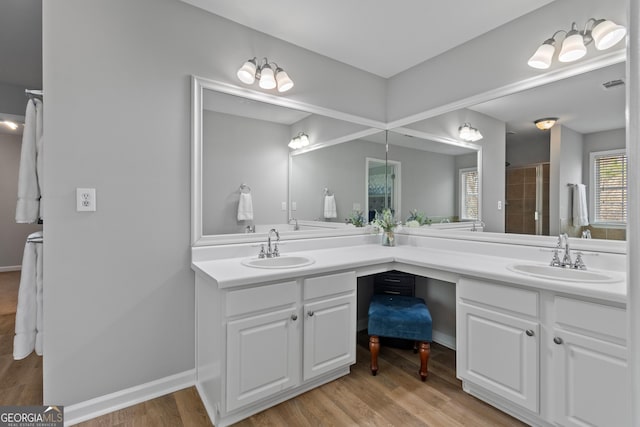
(557, 340)
(294, 317)
(310, 313)
(529, 332)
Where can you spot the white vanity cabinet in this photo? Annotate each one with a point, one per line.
(329, 323)
(265, 343)
(546, 358)
(498, 340)
(589, 364)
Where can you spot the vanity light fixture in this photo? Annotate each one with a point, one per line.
(546, 123)
(469, 133)
(11, 125)
(299, 141)
(602, 32)
(268, 74)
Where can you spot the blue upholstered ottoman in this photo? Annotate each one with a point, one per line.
(397, 316)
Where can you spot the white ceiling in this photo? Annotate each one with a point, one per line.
(382, 37)
(580, 103)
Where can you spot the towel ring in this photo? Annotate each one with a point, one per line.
(244, 188)
(327, 192)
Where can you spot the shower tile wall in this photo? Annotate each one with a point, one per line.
(522, 200)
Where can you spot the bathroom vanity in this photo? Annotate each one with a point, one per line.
(527, 344)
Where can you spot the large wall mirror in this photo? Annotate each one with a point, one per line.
(527, 169)
(586, 146)
(240, 162)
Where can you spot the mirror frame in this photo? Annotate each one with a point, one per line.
(198, 85)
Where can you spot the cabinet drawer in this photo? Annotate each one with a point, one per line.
(591, 317)
(329, 285)
(500, 296)
(261, 298)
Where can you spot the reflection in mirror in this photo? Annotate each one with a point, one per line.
(241, 159)
(423, 177)
(383, 182)
(542, 167)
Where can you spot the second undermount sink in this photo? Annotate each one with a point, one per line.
(283, 261)
(563, 274)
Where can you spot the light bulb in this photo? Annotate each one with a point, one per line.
(267, 79)
(573, 47)
(283, 80)
(247, 73)
(607, 33)
(541, 59)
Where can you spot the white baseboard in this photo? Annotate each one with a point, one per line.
(83, 411)
(10, 268)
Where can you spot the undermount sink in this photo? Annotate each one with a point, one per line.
(564, 274)
(282, 261)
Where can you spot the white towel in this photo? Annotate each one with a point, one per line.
(30, 172)
(580, 213)
(245, 207)
(29, 326)
(330, 210)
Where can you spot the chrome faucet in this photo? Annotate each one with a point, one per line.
(273, 252)
(296, 227)
(566, 259)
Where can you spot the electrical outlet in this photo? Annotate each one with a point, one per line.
(499, 205)
(284, 206)
(85, 199)
(294, 206)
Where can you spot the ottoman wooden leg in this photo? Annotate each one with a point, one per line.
(425, 351)
(374, 348)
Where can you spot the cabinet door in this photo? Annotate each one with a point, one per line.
(329, 335)
(263, 356)
(500, 353)
(590, 377)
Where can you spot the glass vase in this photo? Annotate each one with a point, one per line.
(388, 238)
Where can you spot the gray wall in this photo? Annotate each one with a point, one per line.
(492, 60)
(118, 284)
(523, 152)
(13, 235)
(240, 150)
(565, 168)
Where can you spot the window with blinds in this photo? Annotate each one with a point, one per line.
(469, 193)
(609, 186)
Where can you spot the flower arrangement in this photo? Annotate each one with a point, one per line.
(356, 218)
(417, 217)
(384, 220)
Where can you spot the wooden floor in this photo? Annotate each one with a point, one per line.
(20, 380)
(395, 397)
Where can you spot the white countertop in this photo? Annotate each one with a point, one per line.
(370, 258)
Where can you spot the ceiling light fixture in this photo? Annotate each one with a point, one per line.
(299, 141)
(546, 123)
(268, 74)
(11, 125)
(469, 133)
(602, 32)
